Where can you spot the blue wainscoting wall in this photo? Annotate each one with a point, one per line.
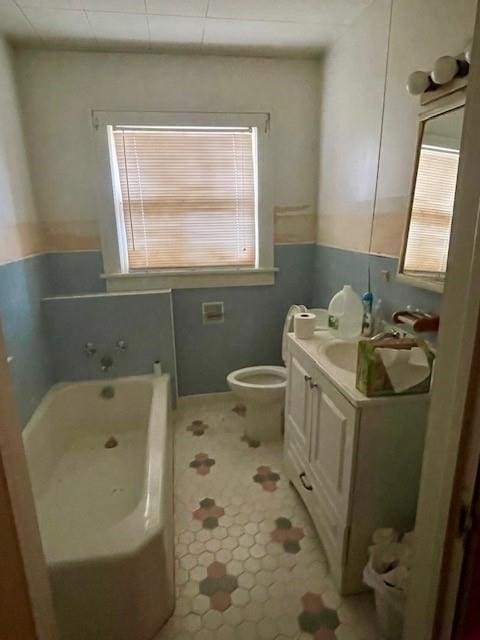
(142, 320)
(23, 284)
(46, 339)
(251, 333)
(334, 268)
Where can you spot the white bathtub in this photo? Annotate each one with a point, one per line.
(106, 514)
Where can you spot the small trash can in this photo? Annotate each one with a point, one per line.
(389, 604)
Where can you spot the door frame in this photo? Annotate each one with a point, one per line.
(452, 443)
(26, 609)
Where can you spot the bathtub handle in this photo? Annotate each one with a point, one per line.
(121, 345)
(89, 349)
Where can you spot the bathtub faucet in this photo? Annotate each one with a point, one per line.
(106, 363)
(89, 349)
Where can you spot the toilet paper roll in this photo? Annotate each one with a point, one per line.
(157, 368)
(304, 325)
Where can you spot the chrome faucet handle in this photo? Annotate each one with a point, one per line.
(121, 345)
(389, 333)
(89, 349)
(106, 363)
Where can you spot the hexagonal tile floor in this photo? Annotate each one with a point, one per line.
(249, 563)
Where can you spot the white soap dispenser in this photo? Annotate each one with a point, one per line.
(345, 314)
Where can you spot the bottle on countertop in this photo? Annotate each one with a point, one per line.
(378, 321)
(367, 325)
(345, 314)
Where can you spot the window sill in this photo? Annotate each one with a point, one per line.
(189, 279)
(422, 282)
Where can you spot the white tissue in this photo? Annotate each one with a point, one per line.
(387, 556)
(381, 536)
(390, 560)
(304, 325)
(405, 367)
(398, 578)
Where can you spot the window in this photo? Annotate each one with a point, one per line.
(432, 211)
(184, 199)
(187, 196)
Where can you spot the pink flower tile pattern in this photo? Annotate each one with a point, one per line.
(287, 535)
(198, 427)
(202, 464)
(316, 618)
(254, 444)
(240, 410)
(218, 586)
(267, 478)
(208, 513)
(252, 566)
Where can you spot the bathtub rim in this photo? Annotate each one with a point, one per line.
(127, 537)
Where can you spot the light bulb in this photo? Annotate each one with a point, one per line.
(445, 70)
(418, 82)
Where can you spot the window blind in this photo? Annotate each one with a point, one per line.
(432, 211)
(187, 196)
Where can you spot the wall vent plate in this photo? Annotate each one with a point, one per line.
(212, 312)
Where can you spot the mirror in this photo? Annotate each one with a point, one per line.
(427, 238)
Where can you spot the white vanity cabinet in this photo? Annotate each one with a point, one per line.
(355, 461)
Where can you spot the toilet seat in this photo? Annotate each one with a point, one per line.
(268, 377)
(262, 389)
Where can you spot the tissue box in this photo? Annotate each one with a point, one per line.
(372, 378)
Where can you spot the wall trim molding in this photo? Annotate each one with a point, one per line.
(99, 251)
(47, 252)
(366, 253)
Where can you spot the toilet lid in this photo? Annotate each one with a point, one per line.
(288, 326)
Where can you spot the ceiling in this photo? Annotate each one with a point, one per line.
(282, 27)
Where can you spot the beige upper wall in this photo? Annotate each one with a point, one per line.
(421, 31)
(58, 90)
(19, 229)
(353, 77)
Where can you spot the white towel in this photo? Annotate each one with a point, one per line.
(382, 536)
(399, 578)
(405, 367)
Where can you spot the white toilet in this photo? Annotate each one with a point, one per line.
(262, 391)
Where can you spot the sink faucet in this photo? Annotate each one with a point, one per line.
(389, 333)
(106, 363)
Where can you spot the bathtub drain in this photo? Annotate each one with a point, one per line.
(111, 443)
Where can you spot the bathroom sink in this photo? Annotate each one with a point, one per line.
(342, 355)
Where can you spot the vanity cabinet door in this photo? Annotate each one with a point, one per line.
(298, 408)
(332, 440)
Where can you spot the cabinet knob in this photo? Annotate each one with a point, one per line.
(314, 385)
(308, 378)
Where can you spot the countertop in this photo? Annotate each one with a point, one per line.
(342, 379)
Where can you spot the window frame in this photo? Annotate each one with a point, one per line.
(436, 103)
(109, 213)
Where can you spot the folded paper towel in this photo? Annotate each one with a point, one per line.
(405, 367)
